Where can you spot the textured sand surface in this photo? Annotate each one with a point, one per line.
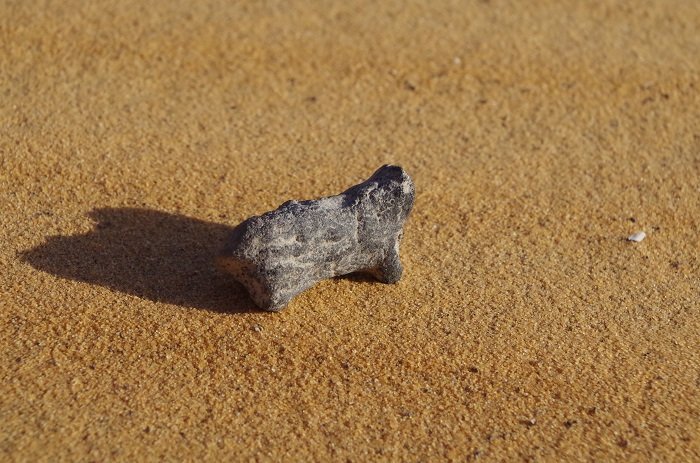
(539, 134)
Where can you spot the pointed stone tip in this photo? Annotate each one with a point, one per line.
(391, 172)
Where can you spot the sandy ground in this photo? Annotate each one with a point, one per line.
(539, 134)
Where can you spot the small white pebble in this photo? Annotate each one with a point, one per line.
(457, 60)
(257, 328)
(637, 237)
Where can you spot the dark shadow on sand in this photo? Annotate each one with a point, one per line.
(151, 254)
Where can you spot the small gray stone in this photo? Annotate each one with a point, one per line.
(281, 253)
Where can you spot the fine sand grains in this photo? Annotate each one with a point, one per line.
(525, 327)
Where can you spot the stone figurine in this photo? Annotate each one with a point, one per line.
(281, 253)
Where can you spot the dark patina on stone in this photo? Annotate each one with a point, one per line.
(281, 253)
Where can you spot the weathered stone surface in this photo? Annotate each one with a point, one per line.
(281, 253)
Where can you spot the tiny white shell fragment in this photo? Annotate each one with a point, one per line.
(637, 237)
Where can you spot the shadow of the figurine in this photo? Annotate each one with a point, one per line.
(151, 254)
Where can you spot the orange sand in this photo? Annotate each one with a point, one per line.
(539, 134)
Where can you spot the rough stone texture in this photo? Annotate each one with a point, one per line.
(279, 254)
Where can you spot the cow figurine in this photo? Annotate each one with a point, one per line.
(281, 253)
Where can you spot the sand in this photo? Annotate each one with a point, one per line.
(540, 135)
